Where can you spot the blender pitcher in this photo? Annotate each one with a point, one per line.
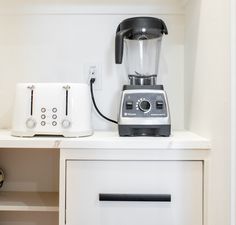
(141, 38)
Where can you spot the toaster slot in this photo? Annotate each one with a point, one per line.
(66, 102)
(31, 98)
(67, 98)
(31, 102)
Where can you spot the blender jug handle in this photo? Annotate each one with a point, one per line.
(164, 28)
(119, 44)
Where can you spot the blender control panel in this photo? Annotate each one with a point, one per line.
(144, 105)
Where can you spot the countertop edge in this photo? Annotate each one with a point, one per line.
(108, 140)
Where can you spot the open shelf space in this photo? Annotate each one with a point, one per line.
(29, 194)
(29, 201)
(32, 218)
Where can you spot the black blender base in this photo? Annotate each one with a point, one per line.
(144, 130)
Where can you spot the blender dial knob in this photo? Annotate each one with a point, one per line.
(30, 123)
(66, 123)
(144, 106)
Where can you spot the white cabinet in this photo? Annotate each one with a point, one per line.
(173, 169)
(121, 192)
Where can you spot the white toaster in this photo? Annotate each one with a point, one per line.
(52, 109)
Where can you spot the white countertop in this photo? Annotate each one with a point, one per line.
(108, 140)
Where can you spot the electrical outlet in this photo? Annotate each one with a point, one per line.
(93, 70)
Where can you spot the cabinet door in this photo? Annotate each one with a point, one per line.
(134, 193)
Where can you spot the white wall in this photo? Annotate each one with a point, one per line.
(207, 93)
(20, 3)
(52, 47)
(233, 111)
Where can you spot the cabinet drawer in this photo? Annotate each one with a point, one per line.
(134, 193)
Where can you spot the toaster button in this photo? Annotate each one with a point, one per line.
(30, 123)
(54, 123)
(65, 123)
(54, 110)
(43, 110)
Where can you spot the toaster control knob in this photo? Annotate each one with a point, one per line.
(144, 106)
(66, 123)
(30, 123)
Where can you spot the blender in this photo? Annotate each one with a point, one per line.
(144, 109)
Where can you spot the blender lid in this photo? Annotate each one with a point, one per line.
(148, 23)
(137, 28)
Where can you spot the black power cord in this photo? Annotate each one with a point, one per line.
(92, 80)
(1, 177)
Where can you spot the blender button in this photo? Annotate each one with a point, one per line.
(129, 105)
(159, 104)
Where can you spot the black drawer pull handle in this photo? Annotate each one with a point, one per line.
(135, 197)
